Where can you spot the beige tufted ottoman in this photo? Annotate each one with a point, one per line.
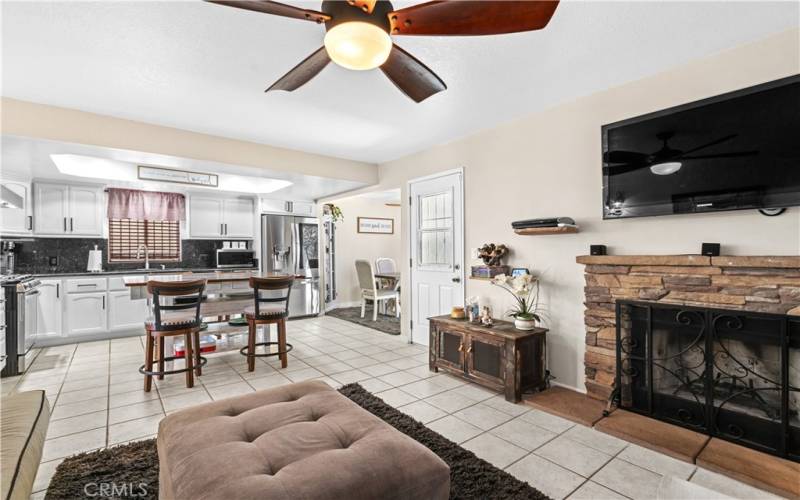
(301, 440)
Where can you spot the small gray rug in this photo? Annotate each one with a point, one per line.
(385, 323)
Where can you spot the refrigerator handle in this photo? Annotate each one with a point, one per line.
(296, 255)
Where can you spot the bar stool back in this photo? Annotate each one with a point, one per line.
(175, 312)
(266, 310)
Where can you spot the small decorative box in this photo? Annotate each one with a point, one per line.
(489, 271)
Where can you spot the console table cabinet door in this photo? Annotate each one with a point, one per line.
(486, 359)
(450, 350)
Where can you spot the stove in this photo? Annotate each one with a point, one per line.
(20, 303)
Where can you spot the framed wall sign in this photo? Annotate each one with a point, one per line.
(375, 225)
(177, 176)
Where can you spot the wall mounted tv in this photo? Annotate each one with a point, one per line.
(736, 151)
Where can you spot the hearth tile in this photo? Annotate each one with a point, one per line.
(593, 491)
(677, 442)
(574, 456)
(657, 462)
(568, 404)
(628, 479)
(494, 450)
(523, 434)
(777, 475)
(597, 440)
(550, 422)
(729, 486)
(551, 479)
(454, 429)
(422, 411)
(483, 416)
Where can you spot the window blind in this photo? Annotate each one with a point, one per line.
(163, 239)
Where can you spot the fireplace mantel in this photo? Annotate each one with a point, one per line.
(754, 283)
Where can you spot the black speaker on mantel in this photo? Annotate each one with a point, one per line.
(597, 249)
(710, 249)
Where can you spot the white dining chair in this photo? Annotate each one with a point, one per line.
(370, 290)
(385, 265)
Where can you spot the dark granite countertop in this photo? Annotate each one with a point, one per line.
(120, 272)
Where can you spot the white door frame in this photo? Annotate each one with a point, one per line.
(458, 170)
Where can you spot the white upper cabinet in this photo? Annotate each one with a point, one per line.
(303, 208)
(86, 210)
(16, 218)
(239, 217)
(221, 217)
(61, 209)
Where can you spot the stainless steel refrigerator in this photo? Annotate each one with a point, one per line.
(290, 245)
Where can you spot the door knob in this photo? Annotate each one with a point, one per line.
(456, 280)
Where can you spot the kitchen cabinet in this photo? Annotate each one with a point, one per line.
(48, 322)
(71, 210)
(16, 215)
(86, 313)
(304, 208)
(221, 218)
(125, 313)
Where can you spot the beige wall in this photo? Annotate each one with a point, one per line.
(29, 119)
(352, 245)
(548, 164)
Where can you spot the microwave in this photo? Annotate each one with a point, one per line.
(235, 257)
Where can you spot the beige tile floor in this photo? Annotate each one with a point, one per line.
(96, 395)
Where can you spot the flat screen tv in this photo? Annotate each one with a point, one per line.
(736, 151)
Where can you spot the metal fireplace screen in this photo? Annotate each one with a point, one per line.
(731, 374)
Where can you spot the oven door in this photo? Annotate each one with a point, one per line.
(26, 334)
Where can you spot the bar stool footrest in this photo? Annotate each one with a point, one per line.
(203, 362)
(243, 350)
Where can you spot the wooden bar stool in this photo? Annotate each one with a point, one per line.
(186, 296)
(266, 311)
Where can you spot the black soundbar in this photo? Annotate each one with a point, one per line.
(549, 222)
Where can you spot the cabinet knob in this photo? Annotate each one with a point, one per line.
(460, 347)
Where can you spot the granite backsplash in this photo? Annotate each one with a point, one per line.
(34, 256)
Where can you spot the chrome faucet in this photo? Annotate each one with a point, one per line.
(146, 255)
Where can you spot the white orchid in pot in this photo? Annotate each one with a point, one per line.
(525, 290)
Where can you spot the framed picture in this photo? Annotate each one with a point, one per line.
(519, 271)
(148, 173)
(375, 225)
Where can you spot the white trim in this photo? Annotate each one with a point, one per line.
(408, 224)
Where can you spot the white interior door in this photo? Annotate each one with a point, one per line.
(437, 249)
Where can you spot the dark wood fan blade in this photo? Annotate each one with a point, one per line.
(413, 78)
(623, 169)
(365, 5)
(709, 144)
(303, 72)
(738, 154)
(275, 8)
(472, 17)
(624, 157)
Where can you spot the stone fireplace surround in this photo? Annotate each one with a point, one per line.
(753, 283)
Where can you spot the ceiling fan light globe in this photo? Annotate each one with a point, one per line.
(666, 168)
(358, 45)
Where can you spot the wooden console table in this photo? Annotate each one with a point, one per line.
(499, 357)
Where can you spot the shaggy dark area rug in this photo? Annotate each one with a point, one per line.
(385, 323)
(470, 476)
(131, 471)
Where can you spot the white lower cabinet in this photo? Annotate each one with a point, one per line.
(125, 313)
(86, 313)
(48, 321)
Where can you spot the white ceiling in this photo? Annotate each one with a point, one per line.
(29, 158)
(203, 67)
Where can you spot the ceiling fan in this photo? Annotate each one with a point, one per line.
(358, 34)
(666, 160)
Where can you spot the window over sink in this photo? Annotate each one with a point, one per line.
(125, 236)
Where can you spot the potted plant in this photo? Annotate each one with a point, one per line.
(525, 290)
(333, 211)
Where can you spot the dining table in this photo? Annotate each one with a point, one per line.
(394, 282)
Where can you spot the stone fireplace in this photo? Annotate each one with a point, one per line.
(751, 283)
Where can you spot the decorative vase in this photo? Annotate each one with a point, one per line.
(524, 324)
